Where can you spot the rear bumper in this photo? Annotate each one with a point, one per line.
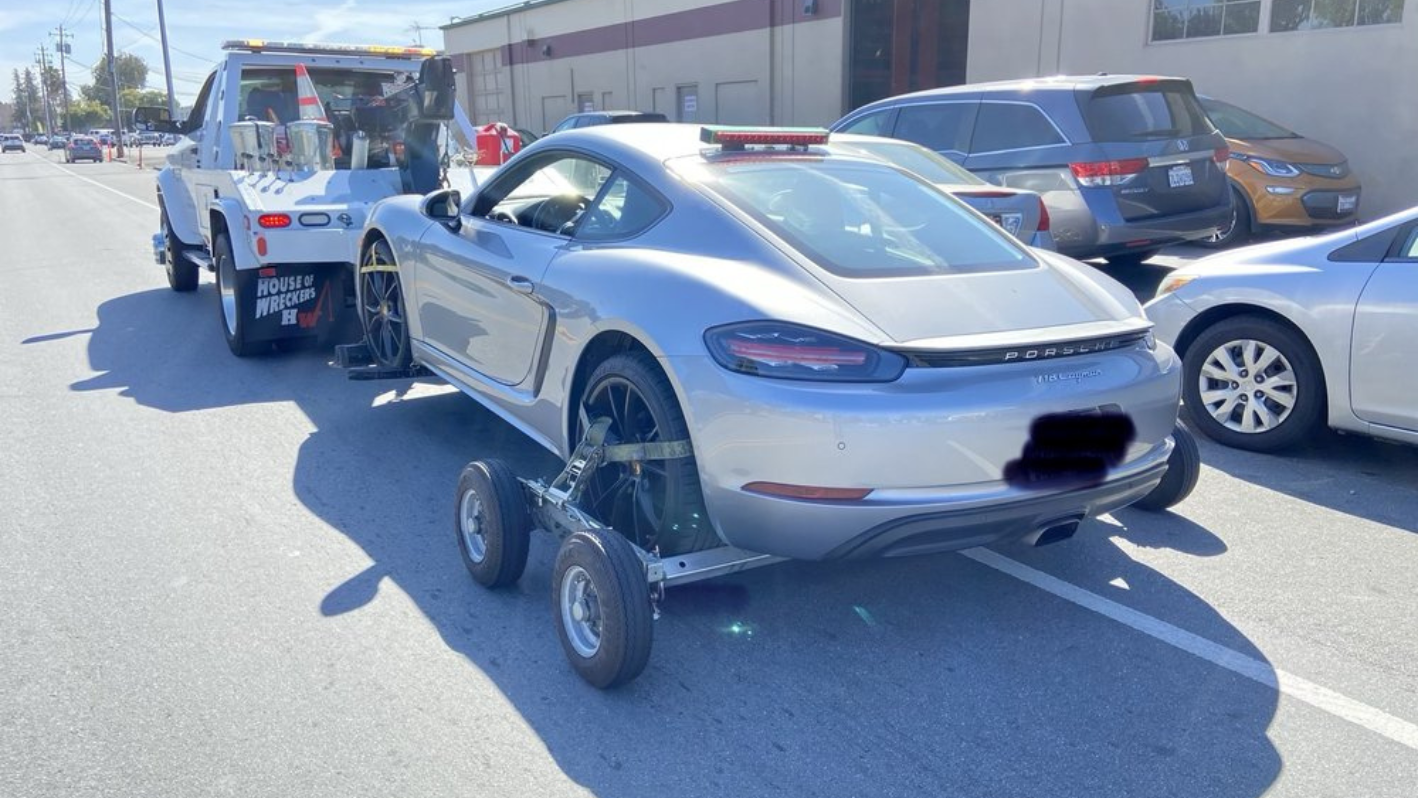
(1117, 237)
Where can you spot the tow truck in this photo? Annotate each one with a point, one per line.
(285, 151)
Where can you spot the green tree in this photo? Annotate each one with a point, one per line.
(132, 74)
(21, 117)
(86, 115)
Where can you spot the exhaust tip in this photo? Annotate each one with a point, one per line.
(1057, 532)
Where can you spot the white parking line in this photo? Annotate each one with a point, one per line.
(1339, 705)
(96, 183)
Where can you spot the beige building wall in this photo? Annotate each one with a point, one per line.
(1354, 88)
(788, 74)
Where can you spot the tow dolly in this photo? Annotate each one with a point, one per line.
(606, 590)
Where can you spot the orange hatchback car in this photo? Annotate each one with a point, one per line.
(1281, 180)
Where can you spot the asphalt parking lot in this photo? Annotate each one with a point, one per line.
(238, 577)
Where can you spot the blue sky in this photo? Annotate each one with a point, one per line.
(196, 29)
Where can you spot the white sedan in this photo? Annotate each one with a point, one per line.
(1276, 337)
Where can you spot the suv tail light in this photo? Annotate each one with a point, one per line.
(1043, 216)
(1222, 155)
(790, 352)
(1107, 173)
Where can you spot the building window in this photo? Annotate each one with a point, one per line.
(1196, 19)
(1288, 15)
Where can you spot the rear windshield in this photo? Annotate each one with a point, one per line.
(933, 167)
(1142, 111)
(859, 219)
(1238, 123)
(621, 120)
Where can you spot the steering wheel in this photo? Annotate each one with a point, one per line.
(574, 203)
(502, 216)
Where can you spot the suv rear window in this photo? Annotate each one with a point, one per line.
(1142, 111)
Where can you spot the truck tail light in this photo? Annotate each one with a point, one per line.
(270, 220)
(1094, 174)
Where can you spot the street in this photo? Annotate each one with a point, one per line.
(239, 577)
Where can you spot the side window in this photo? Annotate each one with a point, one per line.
(943, 127)
(625, 209)
(877, 123)
(1009, 126)
(548, 194)
(1409, 249)
(567, 123)
(199, 108)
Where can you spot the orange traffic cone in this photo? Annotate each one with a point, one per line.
(309, 101)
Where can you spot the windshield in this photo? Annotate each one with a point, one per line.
(1238, 123)
(859, 219)
(932, 166)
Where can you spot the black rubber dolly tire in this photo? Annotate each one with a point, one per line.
(1308, 377)
(383, 315)
(682, 522)
(182, 273)
(608, 639)
(229, 287)
(1183, 470)
(1240, 229)
(1130, 259)
(491, 523)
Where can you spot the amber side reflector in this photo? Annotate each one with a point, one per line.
(807, 492)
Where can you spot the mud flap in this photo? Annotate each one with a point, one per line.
(291, 300)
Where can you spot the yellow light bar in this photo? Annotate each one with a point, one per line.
(380, 50)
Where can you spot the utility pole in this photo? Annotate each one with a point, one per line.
(167, 65)
(62, 49)
(42, 59)
(112, 72)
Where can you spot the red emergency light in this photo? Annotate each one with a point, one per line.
(736, 138)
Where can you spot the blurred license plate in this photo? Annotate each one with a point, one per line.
(1179, 176)
(1011, 222)
(1347, 203)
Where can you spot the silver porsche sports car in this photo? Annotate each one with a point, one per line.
(862, 365)
(1278, 338)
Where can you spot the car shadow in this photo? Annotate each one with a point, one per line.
(924, 676)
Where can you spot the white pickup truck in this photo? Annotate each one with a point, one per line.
(271, 195)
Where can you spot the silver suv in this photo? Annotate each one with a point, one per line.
(1126, 164)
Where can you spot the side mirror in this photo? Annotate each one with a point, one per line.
(437, 89)
(444, 206)
(154, 119)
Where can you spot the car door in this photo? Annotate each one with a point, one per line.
(476, 292)
(1382, 377)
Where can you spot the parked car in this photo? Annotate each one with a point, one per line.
(10, 143)
(1126, 164)
(1021, 213)
(82, 148)
(1279, 338)
(592, 118)
(854, 362)
(1281, 181)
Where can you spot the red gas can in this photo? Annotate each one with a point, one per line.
(496, 143)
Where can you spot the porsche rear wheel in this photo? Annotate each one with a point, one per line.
(653, 502)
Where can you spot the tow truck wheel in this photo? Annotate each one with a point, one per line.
(381, 308)
(601, 603)
(229, 298)
(181, 273)
(491, 522)
(1183, 469)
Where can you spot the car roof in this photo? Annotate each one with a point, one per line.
(1054, 83)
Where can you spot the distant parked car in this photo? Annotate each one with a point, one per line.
(1021, 213)
(1281, 180)
(1126, 164)
(1279, 338)
(9, 143)
(82, 148)
(592, 118)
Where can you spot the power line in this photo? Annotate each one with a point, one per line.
(148, 34)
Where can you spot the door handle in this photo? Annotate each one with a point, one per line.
(520, 284)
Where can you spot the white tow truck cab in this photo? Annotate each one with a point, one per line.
(286, 149)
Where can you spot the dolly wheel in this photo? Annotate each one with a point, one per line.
(491, 522)
(1183, 469)
(601, 602)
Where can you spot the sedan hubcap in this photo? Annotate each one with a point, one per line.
(1247, 386)
(580, 611)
